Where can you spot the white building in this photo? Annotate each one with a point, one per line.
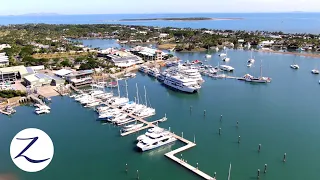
(266, 43)
(4, 60)
(163, 35)
(36, 69)
(2, 46)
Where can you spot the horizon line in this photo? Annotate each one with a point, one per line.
(156, 13)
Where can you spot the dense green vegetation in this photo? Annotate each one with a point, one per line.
(11, 93)
(50, 44)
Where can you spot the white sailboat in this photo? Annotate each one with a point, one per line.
(225, 58)
(251, 60)
(294, 65)
(315, 71)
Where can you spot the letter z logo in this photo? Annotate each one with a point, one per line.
(31, 150)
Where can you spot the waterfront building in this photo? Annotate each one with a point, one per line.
(62, 73)
(120, 58)
(124, 61)
(80, 78)
(11, 74)
(148, 53)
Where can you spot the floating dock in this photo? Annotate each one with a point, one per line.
(170, 154)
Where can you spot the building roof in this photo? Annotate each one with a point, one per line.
(21, 69)
(31, 78)
(30, 70)
(43, 76)
(63, 72)
(79, 73)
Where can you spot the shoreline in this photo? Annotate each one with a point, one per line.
(290, 53)
(180, 19)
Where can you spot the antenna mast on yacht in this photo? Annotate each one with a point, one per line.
(137, 93)
(145, 95)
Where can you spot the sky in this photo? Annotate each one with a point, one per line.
(18, 7)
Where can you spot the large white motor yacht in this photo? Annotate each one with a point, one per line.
(182, 83)
(154, 72)
(226, 68)
(149, 143)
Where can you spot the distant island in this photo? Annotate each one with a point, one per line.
(180, 19)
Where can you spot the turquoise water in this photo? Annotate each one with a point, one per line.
(287, 22)
(283, 116)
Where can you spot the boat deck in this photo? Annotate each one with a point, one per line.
(170, 154)
(4, 112)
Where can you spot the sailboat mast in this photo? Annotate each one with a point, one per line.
(137, 93)
(145, 95)
(126, 89)
(118, 88)
(261, 69)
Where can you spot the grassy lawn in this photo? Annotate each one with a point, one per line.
(58, 55)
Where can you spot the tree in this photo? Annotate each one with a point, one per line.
(66, 63)
(26, 51)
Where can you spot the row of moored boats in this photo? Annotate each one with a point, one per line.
(121, 111)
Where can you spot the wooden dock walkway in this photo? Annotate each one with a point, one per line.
(170, 154)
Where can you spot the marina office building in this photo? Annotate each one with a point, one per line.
(120, 58)
(124, 61)
(148, 54)
(80, 78)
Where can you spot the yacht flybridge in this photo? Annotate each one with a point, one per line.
(152, 142)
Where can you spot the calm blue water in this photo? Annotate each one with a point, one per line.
(287, 22)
